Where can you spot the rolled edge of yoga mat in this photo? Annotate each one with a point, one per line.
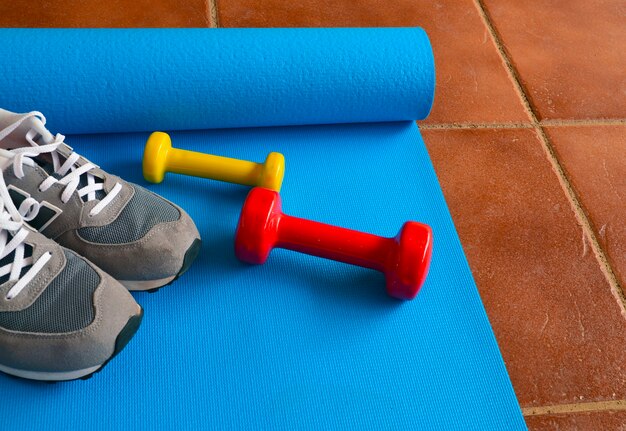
(126, 80)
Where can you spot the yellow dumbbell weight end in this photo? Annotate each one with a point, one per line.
(155, 156)
(160, 157)
(273, 171)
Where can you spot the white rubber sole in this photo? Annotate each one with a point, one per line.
(49, 377)
(139, 285)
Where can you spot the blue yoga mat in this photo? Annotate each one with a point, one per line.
(99, 80)
(300, 342)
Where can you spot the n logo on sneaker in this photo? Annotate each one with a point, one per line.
(45, 214)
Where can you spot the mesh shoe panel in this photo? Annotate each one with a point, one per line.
(144, 211)
(66, 305)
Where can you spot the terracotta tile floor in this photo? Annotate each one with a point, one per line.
(528, 137)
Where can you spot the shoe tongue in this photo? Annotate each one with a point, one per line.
(17, 138)
(7, 118)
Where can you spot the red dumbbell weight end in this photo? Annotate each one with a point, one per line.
(404, 259)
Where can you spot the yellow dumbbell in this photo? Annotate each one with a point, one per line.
(160, 157)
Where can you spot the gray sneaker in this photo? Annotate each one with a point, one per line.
(61, 318)
(139, 238)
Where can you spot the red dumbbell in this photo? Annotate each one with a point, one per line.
(404, 259)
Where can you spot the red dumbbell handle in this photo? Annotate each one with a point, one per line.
(332, 242)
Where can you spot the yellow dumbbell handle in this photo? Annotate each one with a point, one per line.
(160, 157)
(214, 167)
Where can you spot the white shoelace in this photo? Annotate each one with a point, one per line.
(69, 172)
(11, 222)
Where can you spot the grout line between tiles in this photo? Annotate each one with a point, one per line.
(571, 194)
(544, 123)
(599, 406)
(600, 122)
(211, 13)
(475, 126)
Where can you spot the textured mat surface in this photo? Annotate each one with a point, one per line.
(298, 343)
